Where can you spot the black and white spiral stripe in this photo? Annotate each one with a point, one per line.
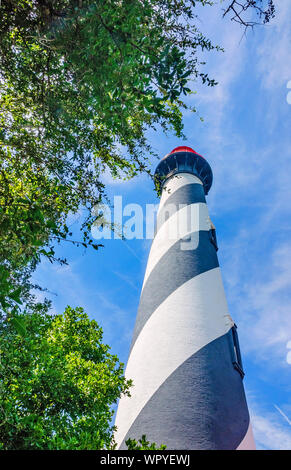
(186, 391)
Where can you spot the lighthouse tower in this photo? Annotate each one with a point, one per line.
(185, 360)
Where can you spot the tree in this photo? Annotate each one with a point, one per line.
(81, 82)
(58, 382)
(143, 444)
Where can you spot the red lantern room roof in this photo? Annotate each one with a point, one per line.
(183, 148)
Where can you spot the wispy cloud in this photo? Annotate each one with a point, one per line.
(283, 414)
(127, 279)
(259, 297)
(271, 430)
(223, 66)
(269, 433)
(273, 66)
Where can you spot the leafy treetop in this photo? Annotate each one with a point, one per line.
(81, 83)
(58, 382)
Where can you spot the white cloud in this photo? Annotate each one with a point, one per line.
(283, 414)
(259, 294)
(274, 65)
(269, 433)
(224, 67)
(271, 429)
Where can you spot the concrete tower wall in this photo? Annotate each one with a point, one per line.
(187, 392)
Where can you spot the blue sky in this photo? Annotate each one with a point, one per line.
(246, 137)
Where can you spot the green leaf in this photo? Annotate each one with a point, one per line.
(19, 326)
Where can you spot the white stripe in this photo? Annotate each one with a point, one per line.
(248, 442)
(191, 317)
(176, 182)
(189, 219)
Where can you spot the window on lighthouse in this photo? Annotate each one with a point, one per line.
(213, 238)
(236, 355)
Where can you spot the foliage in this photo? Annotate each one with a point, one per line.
(58, 382)
(81, 83)
(143, 444)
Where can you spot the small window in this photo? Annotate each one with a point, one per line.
(213, 238)
(212, 234)
(236, 355)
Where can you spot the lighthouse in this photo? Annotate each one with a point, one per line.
(185, 360)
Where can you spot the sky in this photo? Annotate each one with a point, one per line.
(246, 138)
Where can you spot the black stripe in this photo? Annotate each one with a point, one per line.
(174, 268)
(188, 194)
(202, 405)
